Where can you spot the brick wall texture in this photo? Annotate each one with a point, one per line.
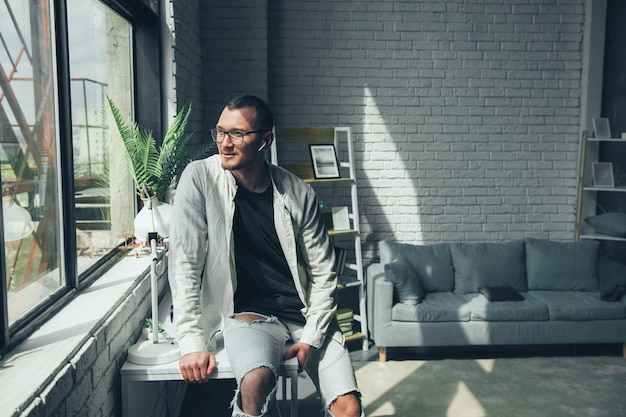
(465, 113)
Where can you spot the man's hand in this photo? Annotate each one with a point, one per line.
(301, 351)
(197, 366)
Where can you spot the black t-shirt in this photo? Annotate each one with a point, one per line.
(264, 282)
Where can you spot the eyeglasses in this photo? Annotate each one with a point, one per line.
(236, 136)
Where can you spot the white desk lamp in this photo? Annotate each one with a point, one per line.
(153, 352)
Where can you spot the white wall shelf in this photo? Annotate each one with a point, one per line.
(291, 143)
(587, 191)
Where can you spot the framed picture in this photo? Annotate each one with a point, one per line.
(341, 218)
(324, 160)
(601, 128)
(603, 174)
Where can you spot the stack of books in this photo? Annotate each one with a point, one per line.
(344, 317)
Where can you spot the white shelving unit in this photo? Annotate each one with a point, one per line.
(587, 192)
(292, 144)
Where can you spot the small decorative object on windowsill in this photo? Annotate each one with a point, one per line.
(162, 334)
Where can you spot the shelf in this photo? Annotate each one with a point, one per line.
(606, 140)
(587, 193)
(620, 189)
(333, 232)
(600, 236)
(335, 192)
(354, 336)
(347, 281)
(305, 172)
(327, 180)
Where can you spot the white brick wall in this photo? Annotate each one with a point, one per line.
(465, 112)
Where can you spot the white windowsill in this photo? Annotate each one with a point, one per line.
(26, 370)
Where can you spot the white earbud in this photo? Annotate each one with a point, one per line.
(262, 146)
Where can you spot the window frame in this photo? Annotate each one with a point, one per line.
(144, 17)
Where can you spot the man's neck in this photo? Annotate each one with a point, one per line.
(253, 178)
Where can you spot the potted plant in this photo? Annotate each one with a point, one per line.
(156, 170)
(147, 330)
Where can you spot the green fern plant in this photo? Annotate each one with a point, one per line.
(155, 168)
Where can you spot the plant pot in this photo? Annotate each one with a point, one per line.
(163, 336)
(153, 211)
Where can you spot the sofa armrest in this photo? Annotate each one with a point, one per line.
(379, 301)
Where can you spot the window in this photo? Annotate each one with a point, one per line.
(55, 124)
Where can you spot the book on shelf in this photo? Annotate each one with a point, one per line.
(345, 281)
(340, 259)
(344, 314)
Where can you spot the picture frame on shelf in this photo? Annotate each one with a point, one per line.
(324, 160)
(341, 218)
(603, 174)
(601, 128)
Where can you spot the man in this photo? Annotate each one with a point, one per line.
(249, 255)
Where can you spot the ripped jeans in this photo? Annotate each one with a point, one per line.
(262, 343)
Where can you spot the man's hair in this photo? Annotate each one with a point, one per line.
(264, 116)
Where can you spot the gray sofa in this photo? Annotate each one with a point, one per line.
(497, 293)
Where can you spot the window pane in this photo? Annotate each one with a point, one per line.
(28, 156)
(100, 66)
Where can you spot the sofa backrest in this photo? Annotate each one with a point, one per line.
(571, 266)
(490, 264)
(530, 264)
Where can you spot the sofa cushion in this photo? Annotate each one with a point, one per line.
(568, 266)
(612, 224)
(432, 263)
(578, 305)
(436, 307)
(612, 277)
(406, 283)
(483, 310)
(491, 264)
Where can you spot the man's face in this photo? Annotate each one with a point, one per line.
(236, 156)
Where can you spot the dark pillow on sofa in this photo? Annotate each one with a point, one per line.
(612, 224)
(405, 281)
(506, 293)
(612, 276)
(562, 266)
(489, 264)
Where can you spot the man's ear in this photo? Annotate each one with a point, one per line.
(267, 141)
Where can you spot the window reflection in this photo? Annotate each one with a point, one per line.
(100, 66)
(28, 156)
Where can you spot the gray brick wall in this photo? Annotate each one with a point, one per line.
(90, 385)
(234, 50)
(186, 66)
(465, 113)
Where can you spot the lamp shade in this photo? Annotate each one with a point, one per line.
(16, 220)
(155, 216)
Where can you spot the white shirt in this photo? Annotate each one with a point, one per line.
(202, 272)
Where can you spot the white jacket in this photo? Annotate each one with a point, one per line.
(202, 273)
